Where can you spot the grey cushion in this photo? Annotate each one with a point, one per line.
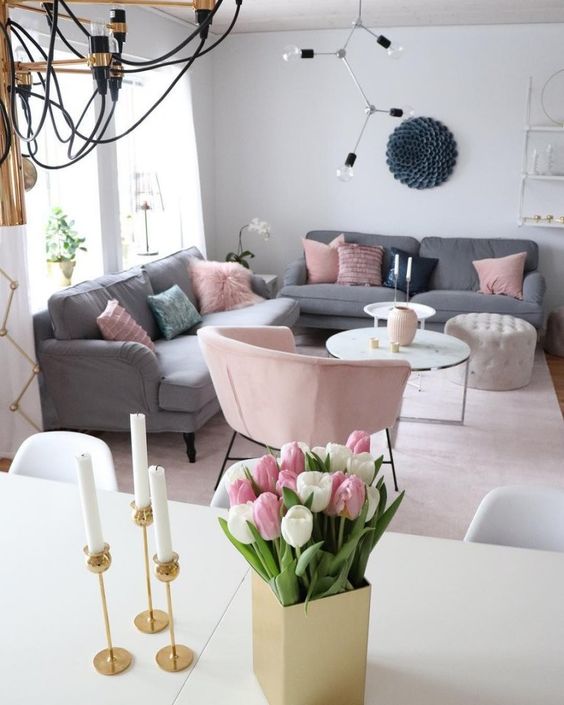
(131, 289)
(186, 383)
(455, 270)
(273, 312)
(408, 244)
(451, 303)
(165, 272)
(337, 300)
(74, 310)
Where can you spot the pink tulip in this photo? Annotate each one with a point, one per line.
(286, 479)
(241, 492)
(292, 458)
(265, 473)
(349, 497)
(338, 478)
(359, 442)
(266, 515)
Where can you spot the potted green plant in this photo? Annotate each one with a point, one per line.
(62, 243)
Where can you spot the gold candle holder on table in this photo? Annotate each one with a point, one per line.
(149, 621)
(373, 343)
(175, 657)
(114, 659)
(394, 347)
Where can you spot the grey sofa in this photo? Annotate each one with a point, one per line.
(453, 287)
(93, 384)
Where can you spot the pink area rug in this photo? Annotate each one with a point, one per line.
(509, 438)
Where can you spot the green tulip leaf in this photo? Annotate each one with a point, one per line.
(291, 499)
(264, 550)
(246, 551)
(307, 556)
(347, 551)
(287, 585)
(386, 518)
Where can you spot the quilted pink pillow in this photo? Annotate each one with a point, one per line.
(115, 323)
(360, 265)
(322, 261)
(502, 275)
(221, 286)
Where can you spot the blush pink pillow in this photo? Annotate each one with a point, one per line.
(360, 265)
(115, 323)
(322, 261)
(502, 275)
(221, 286)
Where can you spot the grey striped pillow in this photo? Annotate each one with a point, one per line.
(360, 265)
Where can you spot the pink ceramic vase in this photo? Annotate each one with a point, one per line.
(402, 325)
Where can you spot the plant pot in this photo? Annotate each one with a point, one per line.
(402, 325)
(318, 658)
(67, 268)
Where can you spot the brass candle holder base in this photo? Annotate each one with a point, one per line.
(174, 657)
(113, 659)
(149, 621)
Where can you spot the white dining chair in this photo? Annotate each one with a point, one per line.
(522, 516)
(51, 455)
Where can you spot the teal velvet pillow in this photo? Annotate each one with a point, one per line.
(174, 311)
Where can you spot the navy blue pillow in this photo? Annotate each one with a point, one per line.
(421, 270)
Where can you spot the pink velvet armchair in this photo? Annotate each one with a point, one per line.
(271, 395)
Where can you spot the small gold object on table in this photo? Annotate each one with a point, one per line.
(175, 657)
(373, 343)
(149, 621)
(394, 347)
(113, 660)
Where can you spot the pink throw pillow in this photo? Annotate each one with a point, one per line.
(502, 275)
(360, 265)
(115, 323)
(322, 261)
(221, 286)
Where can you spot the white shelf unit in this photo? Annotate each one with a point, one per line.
(558, 220)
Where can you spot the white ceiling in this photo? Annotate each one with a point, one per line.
(280, 15)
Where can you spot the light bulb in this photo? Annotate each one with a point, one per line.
(408, 111)
(395, 51)
(292, 53)
(345, 173)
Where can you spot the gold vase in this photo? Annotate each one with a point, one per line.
(313, 658)
(402, 325)
(67, 269)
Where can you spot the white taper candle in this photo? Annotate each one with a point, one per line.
(408, 275)
(396, 266)
(89, 501)
(139, 460)
(159, 501)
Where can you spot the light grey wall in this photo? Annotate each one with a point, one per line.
(282, 129)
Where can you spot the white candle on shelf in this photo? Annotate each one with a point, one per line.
(396, 267)
(159, 501)
(139, 460)
(90, 513)
(408, 275)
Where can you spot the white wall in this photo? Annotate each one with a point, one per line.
(282, 129)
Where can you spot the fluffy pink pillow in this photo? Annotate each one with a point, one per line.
(360, 265)
(322, 261)
(115, 323)
(502, 275)
(221, 286)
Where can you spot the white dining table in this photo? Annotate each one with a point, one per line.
(451, 623)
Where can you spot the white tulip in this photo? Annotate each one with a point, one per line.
(339, 455)
(320, 451)
(237, 520)
(362, 465)
(297, 526)
(318, 484)
(237, 471)
(373, 496)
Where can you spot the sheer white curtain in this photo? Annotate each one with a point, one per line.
(20, 411)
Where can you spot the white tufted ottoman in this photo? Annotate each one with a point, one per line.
(502, 350)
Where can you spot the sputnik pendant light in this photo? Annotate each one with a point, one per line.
(294, 53)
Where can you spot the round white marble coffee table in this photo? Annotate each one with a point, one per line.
(429, 351)
(381, 311)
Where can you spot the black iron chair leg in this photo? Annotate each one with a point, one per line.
(231, 442)
(391, 461)
(189, 439)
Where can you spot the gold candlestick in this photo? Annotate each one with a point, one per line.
(175, 657)
(149, 621)
(114, 659)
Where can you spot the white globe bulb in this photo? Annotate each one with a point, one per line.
(345, 173)
(292, 53)
(395, 51)
(408, 111)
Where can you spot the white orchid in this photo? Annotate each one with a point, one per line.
(261, 227)
(318, 484)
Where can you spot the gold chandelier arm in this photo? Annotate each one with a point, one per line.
(141, 3)
(41, 11)
(22, 66)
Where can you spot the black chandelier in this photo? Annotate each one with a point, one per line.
(30, 93)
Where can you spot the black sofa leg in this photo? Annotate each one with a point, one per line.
(189, 439)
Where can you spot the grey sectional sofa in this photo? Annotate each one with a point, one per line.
(453, 287)
(93, 384)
